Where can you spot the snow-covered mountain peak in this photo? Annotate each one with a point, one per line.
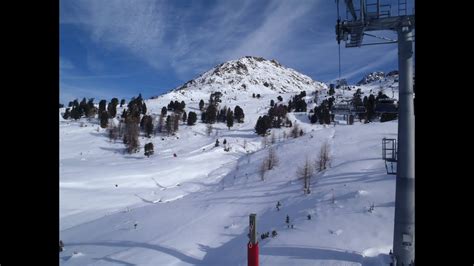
(371, 77)
(252, 74)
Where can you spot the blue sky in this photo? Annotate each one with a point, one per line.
(119, 48)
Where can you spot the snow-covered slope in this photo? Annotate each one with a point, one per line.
(193, 209)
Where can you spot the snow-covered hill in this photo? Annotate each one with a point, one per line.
(239, 79)
(249, 74)
(371, 77)
(193, 209)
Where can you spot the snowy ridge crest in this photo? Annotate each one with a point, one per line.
(251, 73)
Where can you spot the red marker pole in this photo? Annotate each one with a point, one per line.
(252, 246)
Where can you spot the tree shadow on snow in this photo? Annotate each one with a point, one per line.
(132, 157)
(114, 261)
(311, 253)
(131, 244)
(352, 177)
(117, 150)
(99, 134)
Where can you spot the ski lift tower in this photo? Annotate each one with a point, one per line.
(362, 17)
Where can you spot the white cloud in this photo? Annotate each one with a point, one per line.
(192, 39)
(135, 26)
(276, 30)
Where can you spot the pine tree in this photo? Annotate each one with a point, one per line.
(222, 115)
(370, 107)
(132, 130)
(90, 110)
(75, 114)
(102, 106)
(185, 117)
(149, 149)
(67, 113)
(239, 114)
(122, 102)
(104, 119)
(211, 114)
(112, 107)
(201, 104)
(263, 124)
(356, 99)
(331, 91)
(164, 110)
(169, 125)
(148, 125)
(230, 119)
(114, 101)
(192, 118)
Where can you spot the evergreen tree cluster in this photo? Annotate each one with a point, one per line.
(276, 118)
(85, 108)
(215, 98)
(209, 115)
(322, 113)
(176, 106)
(297, 103)
(137, 106)
(263, 124)
(213, 113)
(277, 115)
